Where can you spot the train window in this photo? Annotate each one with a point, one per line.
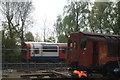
(113, 49)
(49, 48)
(83, 44)
(69, 43)
(36, 50)
(63, 49)
(75, 44)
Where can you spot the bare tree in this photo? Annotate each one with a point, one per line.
(17, 16)
(37, 37)
(44, 31)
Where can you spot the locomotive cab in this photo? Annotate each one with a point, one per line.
(93, 52)
(80, 53)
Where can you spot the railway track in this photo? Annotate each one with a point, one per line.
(56, 75)
(43, 71)
(30, 67)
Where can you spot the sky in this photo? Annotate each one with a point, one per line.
(46, 12)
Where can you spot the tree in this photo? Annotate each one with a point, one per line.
(62, 38)
(10, 49)
(75, 16)
(37, 37)
(29, 36)
(59, 29)
(17, 16)
(50, 39)
(59, 25)
(74, 19)
(44, 31)
(118, 18)
(104, 18)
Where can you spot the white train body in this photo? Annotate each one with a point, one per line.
(41, 50)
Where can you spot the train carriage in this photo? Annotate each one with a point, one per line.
(43, 52)
(92, 51)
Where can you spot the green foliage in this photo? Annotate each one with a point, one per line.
(50, 39)
(59, 26)
(16, 22)
(10, 50)
(29, 36)
(74, 19)
(62, 39)
(103, 18)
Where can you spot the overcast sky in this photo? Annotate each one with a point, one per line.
(46, 10)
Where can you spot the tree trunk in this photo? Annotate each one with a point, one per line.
(119, 17)
(76, 29)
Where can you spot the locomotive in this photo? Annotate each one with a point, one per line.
(43, 52)
(94, 52)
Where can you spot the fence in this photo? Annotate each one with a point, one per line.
(29, 67)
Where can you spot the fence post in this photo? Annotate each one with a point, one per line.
(35, 67)
(21, 67)
(48, 66)
(28, 68)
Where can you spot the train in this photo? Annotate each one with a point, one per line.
(43, 52)
(94, 53)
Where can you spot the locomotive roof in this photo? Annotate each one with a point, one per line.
(97, 36)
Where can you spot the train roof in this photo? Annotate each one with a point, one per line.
(94, 34)
(97, 36)
(44, 43)
(36, 42)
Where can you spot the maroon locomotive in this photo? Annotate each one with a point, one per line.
(94, 52)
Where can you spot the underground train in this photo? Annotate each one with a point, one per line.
(94, 52)
(43, 52)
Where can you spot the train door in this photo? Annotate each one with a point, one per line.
(69, 51)
(95, 53)
(86, 52)
(62, 51)
(75, 50)
(36, 50)
(26, 51)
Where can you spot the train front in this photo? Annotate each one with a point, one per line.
(25, 52)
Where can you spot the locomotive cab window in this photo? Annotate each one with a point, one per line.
(113, 49)
(69, 43)
(75, 44)
(83, 44)
(63, 49)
